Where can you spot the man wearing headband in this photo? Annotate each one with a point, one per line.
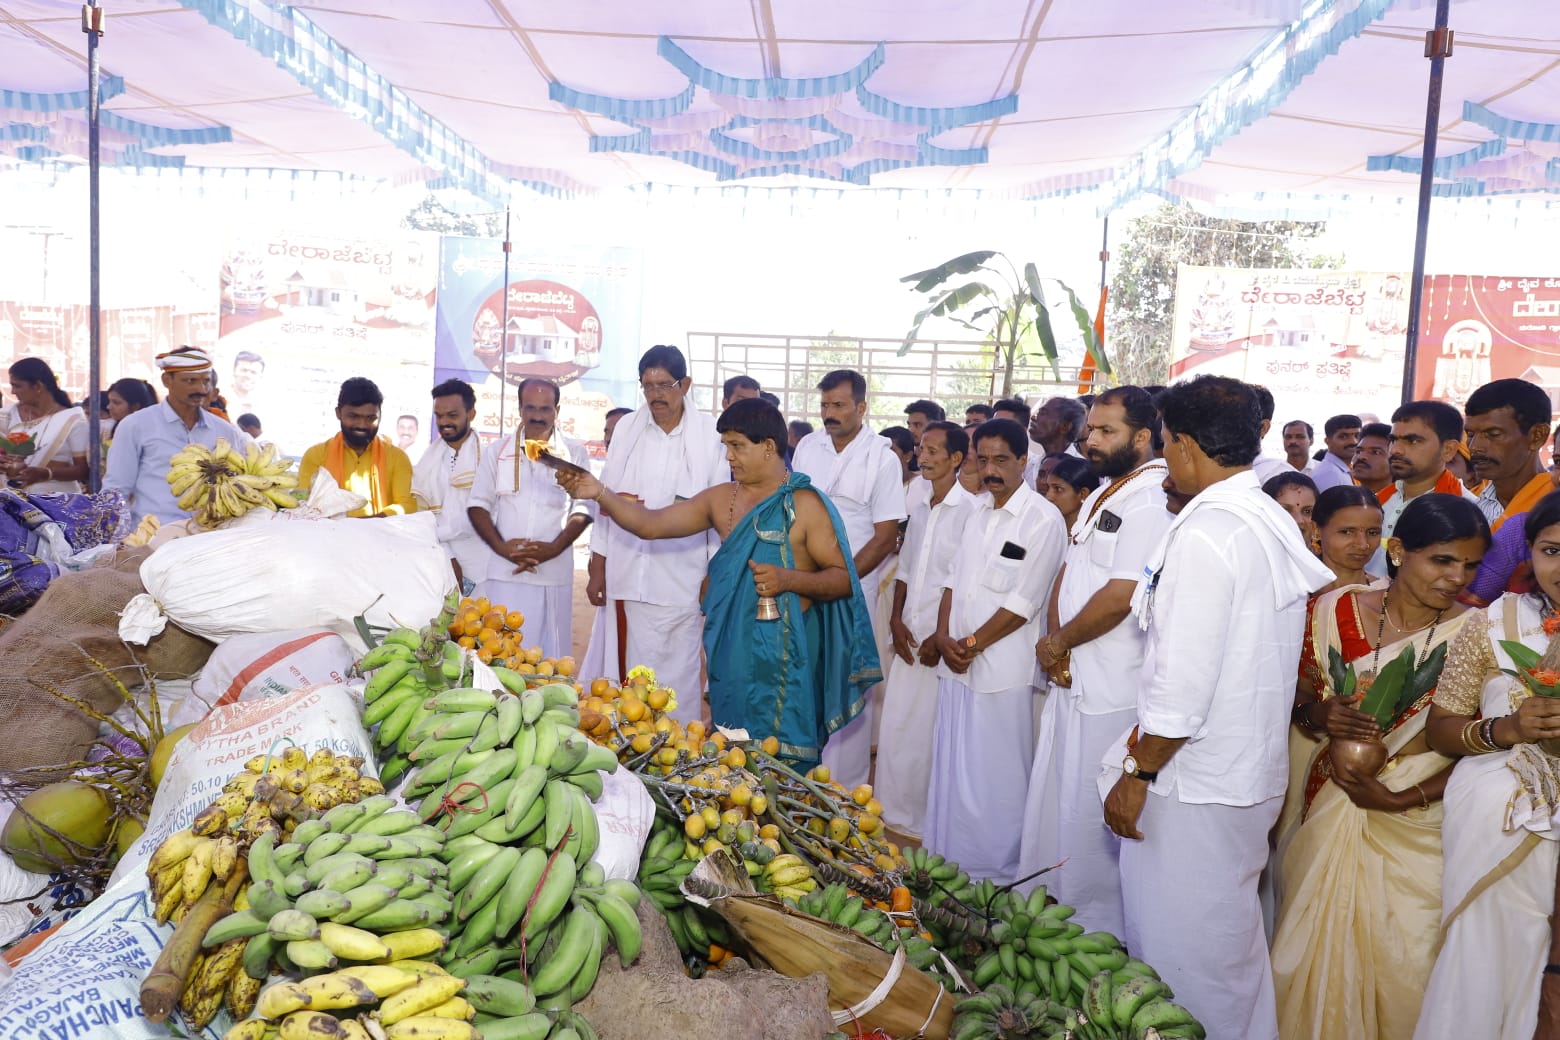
(359, 459)
(145, 441)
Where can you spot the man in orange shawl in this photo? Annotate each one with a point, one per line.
(1507, 427)
(1425, 437)
(359, 459)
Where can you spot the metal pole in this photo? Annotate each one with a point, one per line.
(1438, 47)
(1104, 249)
(503, 352)
(92, 25)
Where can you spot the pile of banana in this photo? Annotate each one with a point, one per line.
(221, 482)
(1134, 1008)
(270, 796)
(662, 868)
(836, 903)
(398, 1000)
(144, 532)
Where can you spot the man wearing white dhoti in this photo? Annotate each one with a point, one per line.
(1199, 781)
(593, 664)
(443, 477)
(864, 479)
(939, 511)
(529, 524)
(662, 453)
(987, 625)
(1092, 655)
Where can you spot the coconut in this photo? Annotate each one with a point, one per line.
(164, 751)
(80, 813)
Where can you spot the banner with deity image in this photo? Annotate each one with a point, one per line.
(1475, 328)
(572, 316)
(1324, 342)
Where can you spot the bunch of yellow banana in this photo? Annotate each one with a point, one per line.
(221, 482)
(401, 999)
(144, 531)
(789, 876)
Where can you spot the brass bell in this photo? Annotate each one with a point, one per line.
(768, 608)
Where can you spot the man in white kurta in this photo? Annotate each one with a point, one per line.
(939, 511)
(988, 622)
(529, 524)
(1196, 785)
(864, 479)
(662, 453)
(442, 478)
(1093, 654)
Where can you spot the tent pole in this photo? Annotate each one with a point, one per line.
(92, 25)
(503, 350)
(1438, 47)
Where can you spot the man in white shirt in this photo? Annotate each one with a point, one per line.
(529, 524)
(1425, 435)
(1342, 433)
(863, 478)
(939, 511)
(988, 622)
(442, 479)
(1093, 655)
(1298, 437)
(1202, 775)
(661, 454)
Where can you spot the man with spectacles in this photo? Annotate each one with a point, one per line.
(661, 454)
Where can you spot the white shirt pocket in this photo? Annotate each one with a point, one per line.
(1001, 575)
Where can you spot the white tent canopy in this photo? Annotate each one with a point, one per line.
(1213, 100)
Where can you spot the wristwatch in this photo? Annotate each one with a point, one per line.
(1129, 766)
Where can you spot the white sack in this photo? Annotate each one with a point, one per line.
(270, 664)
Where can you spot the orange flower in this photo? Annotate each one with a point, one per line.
(1545, 676)
(18, 437)
(1551, 624)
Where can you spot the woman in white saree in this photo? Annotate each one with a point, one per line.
(1360, 854)
(1500, 834)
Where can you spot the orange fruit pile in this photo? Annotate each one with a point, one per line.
(496, 633)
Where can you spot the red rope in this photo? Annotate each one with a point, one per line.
(448, 806)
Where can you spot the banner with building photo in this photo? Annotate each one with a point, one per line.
(1475, 328)
(132, 337)
(1324, 342)
(572, 316)
(301, 312)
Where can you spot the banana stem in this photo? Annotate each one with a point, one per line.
(164, 984)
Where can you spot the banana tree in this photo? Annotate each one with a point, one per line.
(1004, 306)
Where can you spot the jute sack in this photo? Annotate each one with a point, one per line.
(53, 646)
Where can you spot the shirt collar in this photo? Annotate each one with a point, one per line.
(169, 415)
(1017, 501)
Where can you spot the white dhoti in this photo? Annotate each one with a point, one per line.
(593, 663)
(904, 764)
(848, 753)
(1189, 892)
(1064, 818)
(668, 640)
(982, 752)
(548, 610)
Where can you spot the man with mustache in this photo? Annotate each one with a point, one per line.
(861, 475)
(1507, 426)
(1092, 654)
(529, 523)
(988, 622)
(145, 441)
(442, 478)
(1342, 433)
(1297, 446)
(1370, 468)
(360, 460)
(663, 453)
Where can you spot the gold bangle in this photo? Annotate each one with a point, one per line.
(1470, 735)
(1424, 799)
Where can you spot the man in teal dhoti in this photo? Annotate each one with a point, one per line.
(802, 674)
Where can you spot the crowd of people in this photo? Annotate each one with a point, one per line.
(1272, 719)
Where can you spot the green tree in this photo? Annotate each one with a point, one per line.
(1142, 293)
(1005, 307)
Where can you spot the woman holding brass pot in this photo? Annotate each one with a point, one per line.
(1502, 808)
(1359, 842)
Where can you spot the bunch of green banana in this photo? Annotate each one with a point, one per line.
(1136, 1007)
(363, 883)
(220, 482)
(395, 694)
(836, 903)
(662, 868)
(1040, 952)
(997, 1013)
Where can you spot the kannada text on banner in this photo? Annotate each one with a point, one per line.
(1323, 342)
(1475, 328)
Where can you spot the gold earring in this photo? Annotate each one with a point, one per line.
(1397, 561)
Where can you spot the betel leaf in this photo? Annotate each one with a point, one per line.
(1340, 676)
(1381, 700)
